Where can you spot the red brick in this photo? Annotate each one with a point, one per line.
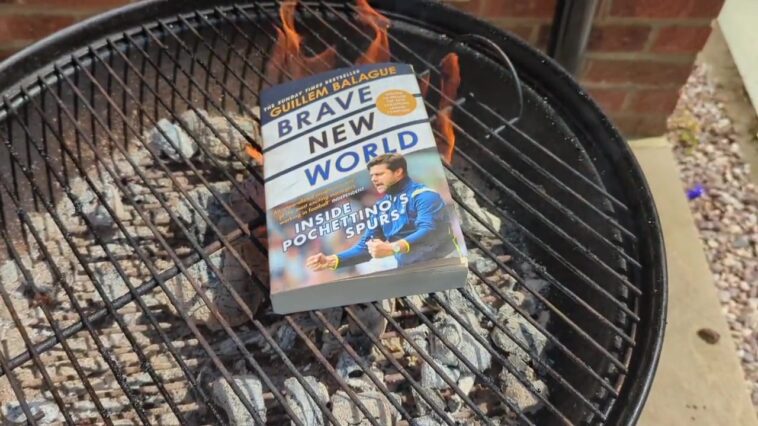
(612, 100)
(681, 39)
(543, 35)
(5, 53)
(653, 100)
(473, 7)
(519, 8)
(523, 32)
(666, 8)
(636, 71)
(609, 38)
(68, 4)
(640, 125)
(22, 27)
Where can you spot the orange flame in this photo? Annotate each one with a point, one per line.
(254, 154)
(379, 50)
(287, 58)
(423, 84)
(450, 80)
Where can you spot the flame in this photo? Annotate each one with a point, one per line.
(288, 62)
(450, 75)
(379, 49)
(254, 154)
(423, 84)
(287, 59)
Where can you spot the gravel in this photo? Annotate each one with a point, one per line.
(707, 148)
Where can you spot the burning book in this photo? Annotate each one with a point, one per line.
(359, 208)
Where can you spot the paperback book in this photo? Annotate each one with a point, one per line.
(358, 207)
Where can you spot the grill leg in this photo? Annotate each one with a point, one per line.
(572, 23)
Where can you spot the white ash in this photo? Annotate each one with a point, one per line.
(302, 404)
(50, 413)
(707, 148)
(347, 412)
(370, 317)
(171, 140)
(235, 410)
(91, 206)
(522, 397)
(109, 279)
(428, 420)
(468, 222)
(354, 375)
(232, 138)
(483, 264)
(217, 289)
(521, 330)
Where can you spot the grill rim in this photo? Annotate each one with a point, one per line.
(580, 112)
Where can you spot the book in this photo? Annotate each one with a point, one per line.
(358, 208)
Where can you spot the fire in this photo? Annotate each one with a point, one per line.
(379, 50)
(287, 59)
(423, 84)
(450, 80)
(288, 62)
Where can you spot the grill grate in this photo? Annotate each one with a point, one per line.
(572, 239)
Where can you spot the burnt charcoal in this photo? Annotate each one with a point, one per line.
(217, 290)
(517, 392)
(469, 223)
(231, 140)
(44, 412)
(302, 404)
(347, 412)
(482, 263)
(520, 329)
(350, 371)
(171, 140)
(235, 410)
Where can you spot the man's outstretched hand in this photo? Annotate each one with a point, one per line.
(320, 261)
(378, 248)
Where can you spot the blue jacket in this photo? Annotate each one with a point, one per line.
(421, 220)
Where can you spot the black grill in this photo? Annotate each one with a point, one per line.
(102, 234)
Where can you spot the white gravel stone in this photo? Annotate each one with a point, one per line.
(707, 148)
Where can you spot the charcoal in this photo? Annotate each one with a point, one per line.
(469, 223)
(235, 410)
(172, 141)
(91, 206)
(347, 412)
(482, 263)
(370, 317)
(14, 414)
(231, 147)
(520, 329)
(428, 420)
(431, 380)
(473, 351)
(302, 404)
(423, 407)
(216, 291)
(519, 394)
(350, 371)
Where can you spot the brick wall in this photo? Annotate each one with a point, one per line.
(639, 55)
(640, 51)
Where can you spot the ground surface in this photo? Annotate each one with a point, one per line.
(713, 135)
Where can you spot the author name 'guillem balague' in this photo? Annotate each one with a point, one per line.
(334, 107)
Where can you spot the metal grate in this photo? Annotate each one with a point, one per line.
(570, 255)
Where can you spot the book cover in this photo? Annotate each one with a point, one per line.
(354, 185)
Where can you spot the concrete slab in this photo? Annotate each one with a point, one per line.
(737, 20)
(697, 382)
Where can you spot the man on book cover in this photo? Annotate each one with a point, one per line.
(421, 232)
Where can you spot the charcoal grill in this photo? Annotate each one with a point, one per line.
(102, 234)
